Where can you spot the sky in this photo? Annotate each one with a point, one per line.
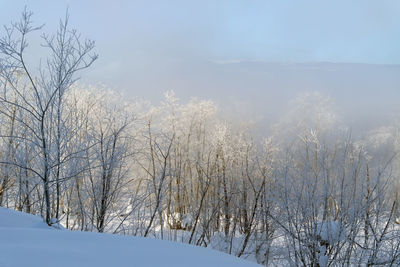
(250, 56)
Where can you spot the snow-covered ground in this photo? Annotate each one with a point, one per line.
(25, 240)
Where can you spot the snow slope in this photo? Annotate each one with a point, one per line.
(25, 240)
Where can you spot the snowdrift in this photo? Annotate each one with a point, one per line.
(25, 240)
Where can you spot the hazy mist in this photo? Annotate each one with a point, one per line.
(250, 58)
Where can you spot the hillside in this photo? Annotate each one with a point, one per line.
(25, 240)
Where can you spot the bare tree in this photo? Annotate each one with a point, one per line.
(41, 95)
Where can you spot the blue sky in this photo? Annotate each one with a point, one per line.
(366, 31)
(255, 53)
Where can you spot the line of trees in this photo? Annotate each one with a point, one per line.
(310, 195)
